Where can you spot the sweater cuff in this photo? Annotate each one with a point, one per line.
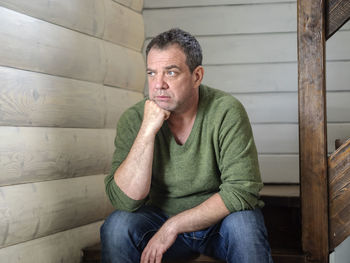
(123, 202)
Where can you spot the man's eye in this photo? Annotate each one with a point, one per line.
(171, 73)
(150, 73)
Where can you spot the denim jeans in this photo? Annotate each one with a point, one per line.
(240, 237)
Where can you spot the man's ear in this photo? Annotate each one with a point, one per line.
(197, 75)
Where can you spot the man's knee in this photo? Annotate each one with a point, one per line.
(116, 227)
(247, 227)
(122, 228)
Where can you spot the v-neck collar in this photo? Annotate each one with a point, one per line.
(193, 133)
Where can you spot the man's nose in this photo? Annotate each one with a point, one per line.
(160, 82)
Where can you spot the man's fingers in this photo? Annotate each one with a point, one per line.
(159, 258)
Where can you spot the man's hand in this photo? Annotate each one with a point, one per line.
(158, 245)
(153, 118)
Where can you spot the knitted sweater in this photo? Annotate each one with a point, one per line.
(219, 156)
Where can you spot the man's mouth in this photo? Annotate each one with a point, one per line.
(162, 97)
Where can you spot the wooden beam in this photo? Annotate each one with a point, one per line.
(337, 14)
(339, 196)
(312, 129)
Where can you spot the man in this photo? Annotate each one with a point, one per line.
(185, 176)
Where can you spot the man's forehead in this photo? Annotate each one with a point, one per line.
(169, 58)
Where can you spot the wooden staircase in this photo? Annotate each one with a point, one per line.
(339, 194)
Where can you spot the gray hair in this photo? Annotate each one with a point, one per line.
(186, 42)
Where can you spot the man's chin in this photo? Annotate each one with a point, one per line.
(164, 106)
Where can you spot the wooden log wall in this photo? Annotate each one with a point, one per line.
(250, 51)
(68, 69)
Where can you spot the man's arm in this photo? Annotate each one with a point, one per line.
(202, 216)
(135, 173)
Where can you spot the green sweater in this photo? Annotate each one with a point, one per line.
(219, 156)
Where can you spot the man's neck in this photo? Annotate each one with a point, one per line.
(181, 124)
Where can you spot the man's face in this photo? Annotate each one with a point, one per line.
(171, 84)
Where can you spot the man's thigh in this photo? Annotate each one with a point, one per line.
(240, 237)
(136, 227)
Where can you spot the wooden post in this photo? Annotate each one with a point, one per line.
(312, 129)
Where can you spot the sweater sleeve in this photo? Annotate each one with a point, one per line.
(127, 129)
(238, 162)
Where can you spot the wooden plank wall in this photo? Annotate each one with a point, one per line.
(250, 51)
(68, 69)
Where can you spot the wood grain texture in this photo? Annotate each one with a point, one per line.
(103, 19)
(41, 154)
(125, 68)
(186, 3)
(58, 51)
(223, 20)
(337, 14)
(30, 211)
(117, 101)
(86, 16)
(339, 195)
(123, 26)
(34, 99)
(64, 247)
(312, 129)
(136, 5)
(63, 52)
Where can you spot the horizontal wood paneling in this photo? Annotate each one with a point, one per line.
(123, 26)
(34, 210)
(34, 99)
(117, 101)
(279, 168)
(61, 247)
(283, 107)
(82, 15)
(238, 78)
(125, 68)
(271, 107)
(265, 48)
(58, 51)
(41, 154)
(98, 18)
(186, 3)
(338, 47)
(276, 138)
(279, 77)
(269, 48)
(223, 20)
(283, 138)
(133, 4)
(63, 52)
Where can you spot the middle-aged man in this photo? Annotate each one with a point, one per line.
(185, 177)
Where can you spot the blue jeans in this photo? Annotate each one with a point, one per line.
(240, 237)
